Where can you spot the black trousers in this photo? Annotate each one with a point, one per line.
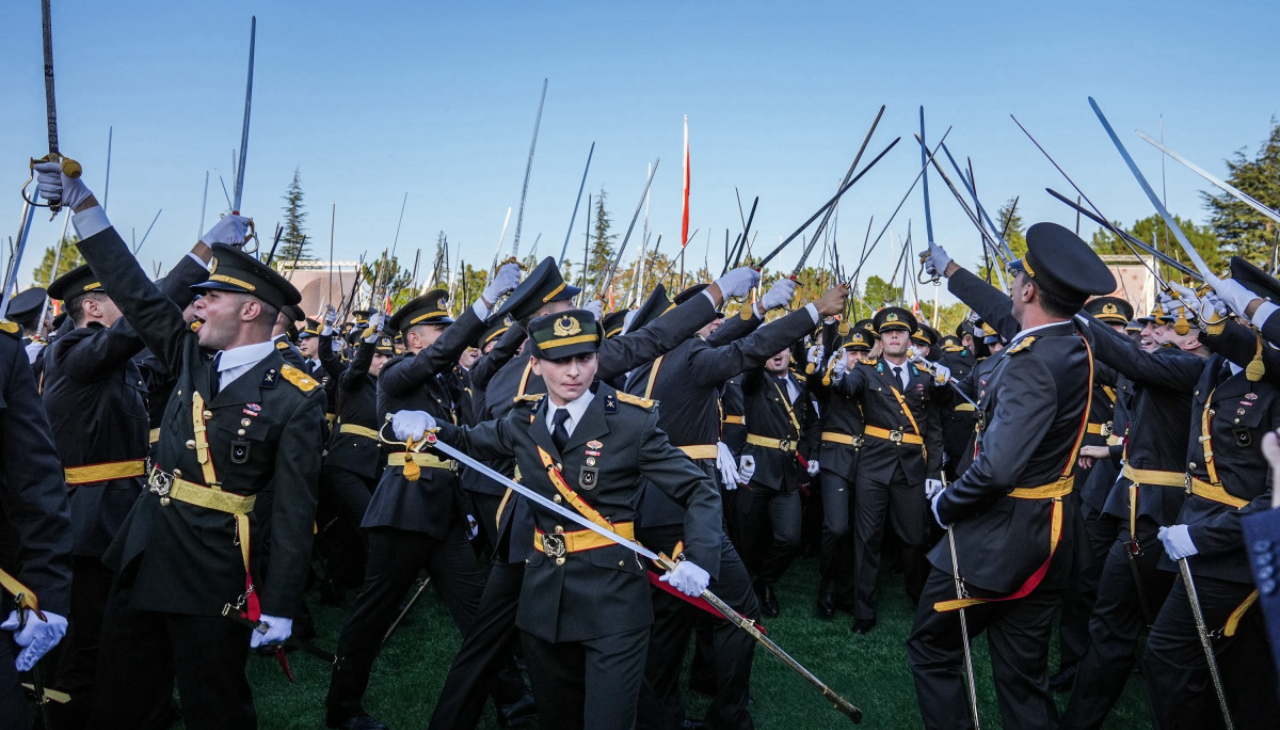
(348, 493)
(731, 649)
(485, 650)
(486, 506)
(768, 529)
(587, 685)
(1018, 636)
(836, 563)
(395, 559)
(142, 653)
(77, 653)
(1116, 626)
(15, 713)
(877, 499)
(1179, 691)
(1095, 534)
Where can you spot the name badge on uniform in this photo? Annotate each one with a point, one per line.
(239, 451)
(588, 478)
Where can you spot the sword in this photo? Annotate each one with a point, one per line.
(528, 168)
(961, 593)
(15, 260)
(70, 167)
(613, 265)
(565, 248)
(1132, 551)
(1203, 631)
(1187, 248)
(405, 611)
(244, 130)
(841, 704)
(1230, 189)
(1132, 240)
(928, 214)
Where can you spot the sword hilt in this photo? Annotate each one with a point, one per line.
(70, 168)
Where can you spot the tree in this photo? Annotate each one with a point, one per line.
(877, 293)
(1153, 230)
(293, 243)
(1240, 229)
(69, 259)
(601, 245)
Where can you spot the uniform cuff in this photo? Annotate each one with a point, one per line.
(812, 309)
(481, 311)
(1265, 310)
(194, 257)
(91, 222)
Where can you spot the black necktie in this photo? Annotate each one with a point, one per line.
(215, 377)
(559, 435)
(897, 374)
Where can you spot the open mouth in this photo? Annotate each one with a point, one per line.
(196, 323)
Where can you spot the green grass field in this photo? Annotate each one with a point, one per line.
(871, 671)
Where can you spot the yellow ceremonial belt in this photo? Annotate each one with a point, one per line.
(1233, 621)
(734, 420)
(1060, 488)
(1213, 492)
(355, 430)
(896, 436)
(1100, 429)
(430, 461)
(1154, 478)
(104, 472)
(700, 451)
(836, 437)
(769, 442)
(153, 437)
(174, 488)
(965, 408)
(579, 540)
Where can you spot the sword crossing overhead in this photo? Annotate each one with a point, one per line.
(244, 129)
(1228, 188)
(841, 704)
(70, 167)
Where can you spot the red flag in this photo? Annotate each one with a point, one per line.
(684, 220)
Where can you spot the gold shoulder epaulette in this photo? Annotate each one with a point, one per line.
(635, 400)
(10, 328)
(282, 345)
(869, 361)
(530, 397)
(299, 379)
(1023, 344)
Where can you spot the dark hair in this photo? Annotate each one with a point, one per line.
(1056, 305)
(75, 305)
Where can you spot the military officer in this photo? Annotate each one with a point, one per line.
(901, 450)
(91, 380)
(35, 531)
(412, 518)
(584, 612)
(1006, 511)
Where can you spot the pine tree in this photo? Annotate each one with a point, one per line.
(1240, 229)
(69, 259)
(601, 245)
(1153, 230)
(293, 243)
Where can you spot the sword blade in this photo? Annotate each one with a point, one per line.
(540, 500)
(1128, 237)
(924, 181)
(1232, 190)
(564, 250)
(244, 129)
(50, 101)
(528, 168)
(617, 258)
(1187, 248)
(1210, 660)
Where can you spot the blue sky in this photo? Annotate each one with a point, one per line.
(371, 101)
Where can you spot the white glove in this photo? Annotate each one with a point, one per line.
(231, 229)
(1232, 293)
(596, 307)
(815, 354)
(746, 468)
(627, 319)
(937, 260)
(779, 295)
(933, 506)
(812, 468)
(36, 637)
(411, 424)
(1177, 542)
(727, 465)
(330, 317)
(931, 488)
(278, 631)
(739, 282)
(33, 350)
(58, 188)
(688, 578)
(940, 371)
(840, 364)
(507, 278)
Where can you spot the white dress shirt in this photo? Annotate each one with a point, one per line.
(576, 409)
(239, 360)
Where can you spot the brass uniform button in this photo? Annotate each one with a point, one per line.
(557, 499)
(191, 444)
(559, 530)
(207, 414)
(177, 473)
(240, 432)
(164, 501)
(559, 561)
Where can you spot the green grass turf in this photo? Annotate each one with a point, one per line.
(871, 671)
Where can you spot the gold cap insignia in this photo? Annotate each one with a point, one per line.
(1110, 309)
(566, 327)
